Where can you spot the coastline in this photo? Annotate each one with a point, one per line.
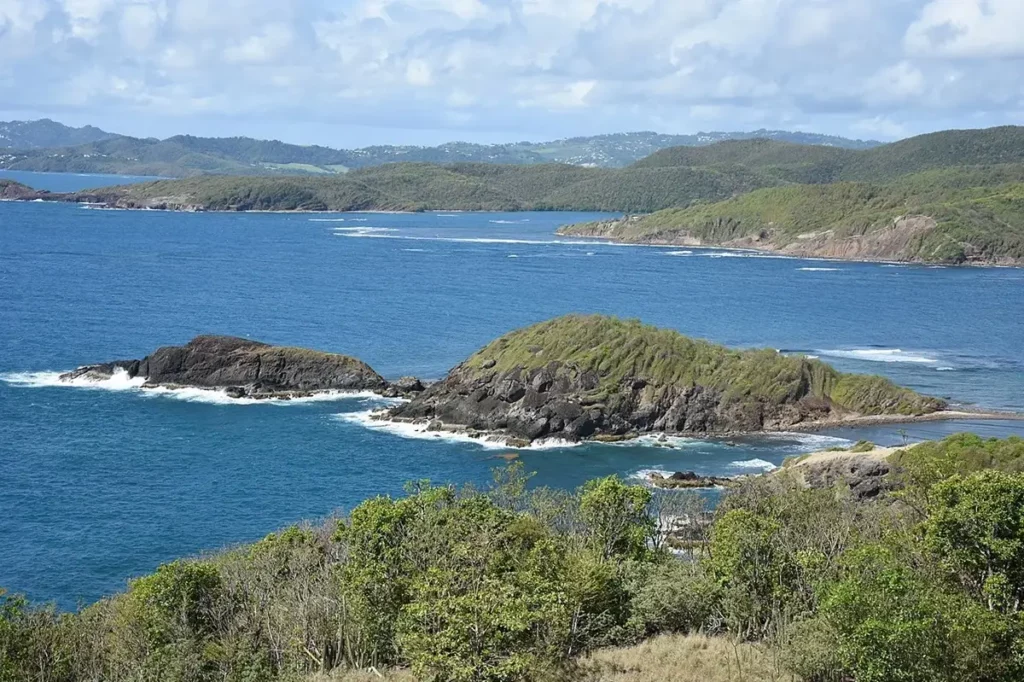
(779, 253)
(651, 243)
(428, 429)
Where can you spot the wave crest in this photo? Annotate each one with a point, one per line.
(120, 381)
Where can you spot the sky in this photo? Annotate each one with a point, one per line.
(357, 72)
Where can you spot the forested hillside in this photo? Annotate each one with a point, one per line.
(49, 146)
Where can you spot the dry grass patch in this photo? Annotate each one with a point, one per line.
(685, 658)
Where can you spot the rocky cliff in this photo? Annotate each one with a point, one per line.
(15, 191)
(595, 377)
(246, 369)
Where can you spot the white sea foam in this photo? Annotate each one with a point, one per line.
(879, 355)
(420, 432)
(509, 222)
(415, 250)
(326, 220)
(120, 381)
(819, 269)
(807, 442)
(759, 464)
(743, 254)
(363, 231)
(644, 476)
(446, 215)
(658, 440)
(513, 255)
(945, 369)
(679, 253)
(382, 233)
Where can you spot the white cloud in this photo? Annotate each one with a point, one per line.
(574, 66)
(894, 83)
(417, 72)
(968, 28)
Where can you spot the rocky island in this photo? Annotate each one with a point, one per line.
(601, 378)
(249, 369)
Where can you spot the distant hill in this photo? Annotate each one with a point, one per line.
(90, 150)
(45, 133)
(623, 149)
(951, 197)
(464, 186)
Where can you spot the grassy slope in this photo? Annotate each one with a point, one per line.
(979, 213)
(664, 658)
(618, 349)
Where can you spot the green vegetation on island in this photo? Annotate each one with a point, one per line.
(618, 352)
(594, 377)
(504, 584)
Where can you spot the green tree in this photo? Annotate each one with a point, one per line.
(616, 517)
(976, 529)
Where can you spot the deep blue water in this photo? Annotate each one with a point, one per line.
(99, 485)
(71, 182)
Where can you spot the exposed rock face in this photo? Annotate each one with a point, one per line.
(866, 477)
(246, 368)
(896, 241)
(557, 401)
(687, 480)
(866, 474)
(404, 387)
(609, 379)
(15, 191)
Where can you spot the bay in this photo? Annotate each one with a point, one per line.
(98, 485)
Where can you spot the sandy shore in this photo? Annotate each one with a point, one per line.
(824, 456)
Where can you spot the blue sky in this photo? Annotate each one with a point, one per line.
(358, 72)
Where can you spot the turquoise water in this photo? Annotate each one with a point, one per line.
(99, 484)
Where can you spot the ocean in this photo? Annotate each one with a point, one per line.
(105, 482)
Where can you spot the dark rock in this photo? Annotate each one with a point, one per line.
(404, 387)
(866, 476)
(244, 368)
(688, 480)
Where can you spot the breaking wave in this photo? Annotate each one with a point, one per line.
(759, 464)
(120, 381)
(420, 432)
(384, 233)
(879, 355)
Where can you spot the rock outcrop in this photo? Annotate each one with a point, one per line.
(595, 377)
(867, 474)
(247, 368)
(688, 480)
(15, 191)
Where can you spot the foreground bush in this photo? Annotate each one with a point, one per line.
(507, 584)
